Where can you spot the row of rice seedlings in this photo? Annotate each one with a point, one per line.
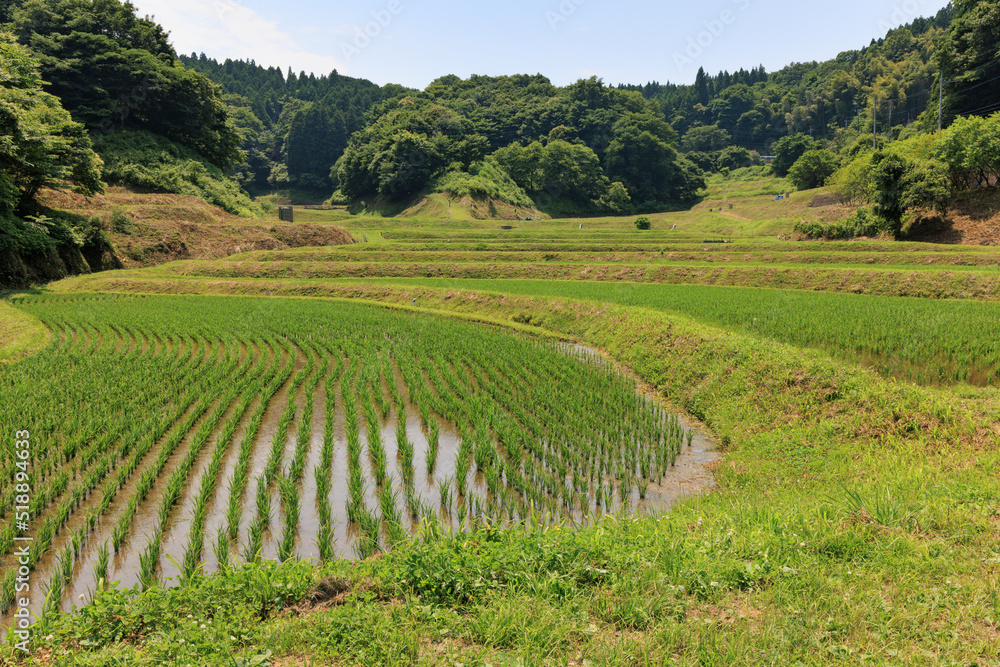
(404, 449)
(377, 378)
(324, 470)
(373, 436)
(297, 466)
(220, 549)
(289, 494)
(391, 517)
(273, 463)
(262, 520)
(367, 544)
(240, 478)
(465, 447)
(103, 557)
(149, 560)
(355, 473)
(388, 372)
(433, 436)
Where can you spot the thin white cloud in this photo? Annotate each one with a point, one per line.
(226, 29)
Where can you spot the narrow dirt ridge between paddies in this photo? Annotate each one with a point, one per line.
(937, 284)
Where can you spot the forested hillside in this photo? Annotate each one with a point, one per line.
(587, 148)
(890, 84)
(293, 127)
(864, 122)
(112, 86)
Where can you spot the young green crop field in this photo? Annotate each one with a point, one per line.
(207, 431)
(430, 447)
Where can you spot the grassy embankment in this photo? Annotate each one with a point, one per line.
(21, 334)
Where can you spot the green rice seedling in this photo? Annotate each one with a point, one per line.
(118, 534)
(444, 490)
(255, 539)
(355, 497)
(53, 592)
(388, 500)
(433, 436)
(78, 541)
(290, 499)
(324, 543)
(148, 560)
(367, 544)
(263, 501)
(413, 504)
(220, 548)
(192, 556)
(101, 566)
(233, 512)
(66, 562)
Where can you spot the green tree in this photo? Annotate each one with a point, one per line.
(398, 154)
(112, 69)
(521, 163)
(812, 169)
(42, 146)
(899, 185)
(642, 161)
(316, 137)
(969, 54)
(788, 150)
(970, 148)
(852, 181)
(733, 157)
(707, 138)
(572, 171)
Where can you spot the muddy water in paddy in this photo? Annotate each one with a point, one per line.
(261, 452)
(215, 515)
(269, 544)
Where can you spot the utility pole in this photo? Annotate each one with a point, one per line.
(940, 100)
(875, 124)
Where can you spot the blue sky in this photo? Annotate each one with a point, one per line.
(413, 42)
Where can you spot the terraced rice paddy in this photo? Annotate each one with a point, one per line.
(174, 434)
(863, 302)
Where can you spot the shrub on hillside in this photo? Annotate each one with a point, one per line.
(141, 159)
(484, 180)
(642, 222)
(862, 222)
